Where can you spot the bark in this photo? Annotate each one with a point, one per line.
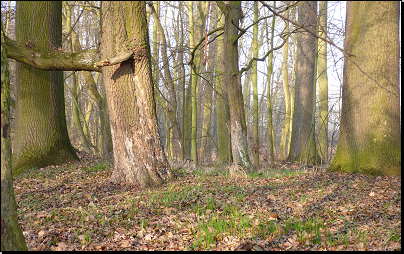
(256, 144)
(271, 143)
(232, 12)
(301, 150)
(322, 85)
(370, 137)
(194, 154)
(138, 154)
(48, 60)
(286, 122)
(41, 136)
(222, 107)
(12, 238)
(208, 89)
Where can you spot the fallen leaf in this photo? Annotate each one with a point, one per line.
(82, 238)
(62, 246)
(271, 197)
(41, 233)
(148, 237)
(126, 244)
(293, 242)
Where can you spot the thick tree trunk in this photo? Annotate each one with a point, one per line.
(232, 12)
(12, 238)
(370, 133)
(303, 146)
(41, 136)
(138, 153)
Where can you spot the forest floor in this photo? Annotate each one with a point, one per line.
(75, 207)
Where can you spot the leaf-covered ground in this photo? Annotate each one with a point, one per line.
(75, 207)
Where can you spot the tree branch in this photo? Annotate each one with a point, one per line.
(115, 60)
(249, 65)
(52, 60)
(200, 42)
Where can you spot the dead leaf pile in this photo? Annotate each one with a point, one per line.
(75, 207)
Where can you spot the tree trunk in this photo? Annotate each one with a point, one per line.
(12, 238)
(208, 90)
(370, 133)
(256, 144)
(138, 154)
(41, 136)
(286, 122)
(168, 82)
(303, 147)
(194, 155)
(232, 12)
(322, 85)
(84, 141)
(271, 133)
(222, 106)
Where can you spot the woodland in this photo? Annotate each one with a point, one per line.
(200, 125)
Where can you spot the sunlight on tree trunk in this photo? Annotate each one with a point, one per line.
(370, 133)
(138, 154)
(41, 136)
(303, 146)
(286, 122)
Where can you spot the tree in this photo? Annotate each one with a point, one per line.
(370, 134)
(302, 143)
(322, 85)
(286, 122)
(138, 154)
(222, 106)
(168, 82)
(208, 87)
(73, 45)
(41, 137)
(256, 144)
(11, 234)
(232, 13)
(194, 155)
(271, 133)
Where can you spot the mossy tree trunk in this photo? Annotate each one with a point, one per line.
(12, 238)
(370, 134)
(194, 154)
(256, 144)
(232, 13)
(138, 154)
(303, 146)
(41, 136)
